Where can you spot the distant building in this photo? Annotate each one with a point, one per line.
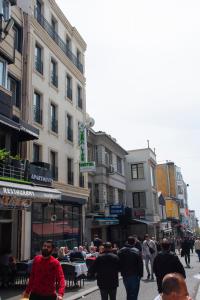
(142, 194)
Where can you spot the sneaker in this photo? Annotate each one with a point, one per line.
(148, 276)
(152, 278)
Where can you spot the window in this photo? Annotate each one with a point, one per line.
(5, 9)
(110, 194)
(78, 55)
(53, 117)
(108, 157)
(38, 59)
(54, 77)
(68, 43)
(81, 180)
(155, 200)
(36, 153)
(54, 27)
(137, 171)
(139, 200)
(17, 37)
(69, 87)
(14, 87)
(70, 173)
(3, 72)
(120, 196)
(153, 181)
(96, 192)
(119, 165)
(39, 7)
(79, 97)
(54, 165)
(69, 128)
(37, 105)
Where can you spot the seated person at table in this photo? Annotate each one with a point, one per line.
(93, 251)
(67, 251)
(80, 248)
(76, 255)
(61, 254)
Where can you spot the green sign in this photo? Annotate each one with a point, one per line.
(88, 166)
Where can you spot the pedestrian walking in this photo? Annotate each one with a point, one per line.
(185, 250)
(174, 288)
(197, 247)
(106, 268)
(131, 267)
(46, 275)
(149, 253)
(166, 262)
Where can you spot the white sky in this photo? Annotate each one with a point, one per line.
(143, 76)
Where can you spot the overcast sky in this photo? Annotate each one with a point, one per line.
(143, 76)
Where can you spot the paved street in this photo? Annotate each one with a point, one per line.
(148, 289)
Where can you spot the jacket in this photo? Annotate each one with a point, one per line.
(106, 268)
(164, 263)
(130, 261)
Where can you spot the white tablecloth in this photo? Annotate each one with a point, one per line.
(80, 269)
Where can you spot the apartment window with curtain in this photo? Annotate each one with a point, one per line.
(153, 180)
(54, 73)
(37, 108)
(69, 128)
(139, 200)
(54, 27)
(17, 37)
(38, 59)
(37, 149)
(54, 118)
(70, 171)
(79, 97)
(119, 165)
(137, 171)
(69, 87)
(14, 86)
(68, 43)
(108, 157)
(5, 9)
(54, 164)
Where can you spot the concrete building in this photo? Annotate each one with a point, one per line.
(54, 91)
(107, 187)
(142, 191)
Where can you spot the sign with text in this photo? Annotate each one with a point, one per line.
(116, 209)
(88, 166)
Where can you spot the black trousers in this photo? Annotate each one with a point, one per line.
(39, 297)
(106, 292)
(187, 258)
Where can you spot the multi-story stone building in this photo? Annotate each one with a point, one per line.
(107, 187)
(54, 93)
(142, 191)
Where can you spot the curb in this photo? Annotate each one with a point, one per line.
(82, 294)
(198, 293)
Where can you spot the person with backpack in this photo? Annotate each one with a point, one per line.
(149, 251)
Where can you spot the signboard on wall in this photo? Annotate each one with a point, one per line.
(116, 209)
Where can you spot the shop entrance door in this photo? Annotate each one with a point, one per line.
(5, 236)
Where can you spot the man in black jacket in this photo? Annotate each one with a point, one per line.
(166, 262)
(106, 268)
(131, 267)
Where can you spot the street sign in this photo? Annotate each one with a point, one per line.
(116, 209)
(87, 166)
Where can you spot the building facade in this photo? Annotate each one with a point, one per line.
(142, 191)
(107, 187)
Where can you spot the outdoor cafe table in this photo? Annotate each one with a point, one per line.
(79, 267)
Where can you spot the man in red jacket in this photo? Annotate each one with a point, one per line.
(46, 275)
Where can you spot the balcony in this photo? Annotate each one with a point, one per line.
(70, 134)
(69, 93)
(12, 170)
(54, 79)
(54, 35)
(54, 125)
(37, 114)
(38, 65)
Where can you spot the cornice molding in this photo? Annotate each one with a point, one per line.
(67, 24)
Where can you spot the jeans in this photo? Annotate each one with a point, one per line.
(132, 285)
(187, 258)
(107, 292)
(198, 253)
(39, 297)
(147, 260)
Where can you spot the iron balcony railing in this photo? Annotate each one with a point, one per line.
(37, 114)
(54, 35)
(38, 65)
(12, 169)
(70, 134)
(54, 125)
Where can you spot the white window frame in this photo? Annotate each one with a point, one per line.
(5, 73)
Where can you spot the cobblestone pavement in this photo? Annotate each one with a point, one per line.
(148, 289)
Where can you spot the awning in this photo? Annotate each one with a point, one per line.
(106, 221)
(72, 200)
(144, 221)
(9, 122)
(27, 131)
(28, 191)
